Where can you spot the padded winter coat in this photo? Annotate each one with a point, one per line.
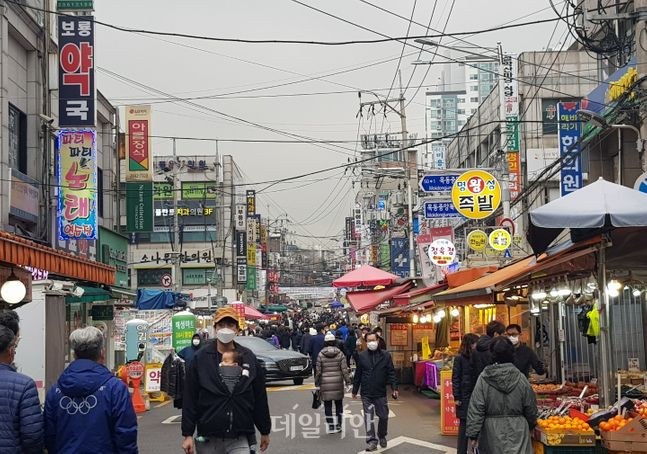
(332, 373)
(21, 421)
(502, 411)
(89, 411)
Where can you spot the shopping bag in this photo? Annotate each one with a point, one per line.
(316, 399)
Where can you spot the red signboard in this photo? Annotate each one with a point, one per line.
(135, 370)
(448, 421)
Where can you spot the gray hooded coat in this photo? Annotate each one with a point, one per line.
(502, 411)
(332, 373)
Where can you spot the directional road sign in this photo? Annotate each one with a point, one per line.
(438, 182)
(439, 210)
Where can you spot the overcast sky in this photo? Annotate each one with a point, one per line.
(190, 68)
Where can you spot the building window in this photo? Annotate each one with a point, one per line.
(474, 88)
(100, 191)
(17, 139)
(474, 77)
(475, 99)
(472, 112)
(461, 111)
(461, 100)
(151, 276)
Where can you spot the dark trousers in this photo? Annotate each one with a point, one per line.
(461, 448)
(375, 407)
(339, 410)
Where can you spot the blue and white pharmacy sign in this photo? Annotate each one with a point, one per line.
(439, 210)
(400, 256)
(569, 135)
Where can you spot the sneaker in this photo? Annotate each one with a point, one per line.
(371, 447)
(334, 429)
(383, 442)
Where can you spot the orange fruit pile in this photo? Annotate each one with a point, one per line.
(615, 423)
(564, 424)
(642, 411)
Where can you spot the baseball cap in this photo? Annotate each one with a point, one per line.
(225, 312)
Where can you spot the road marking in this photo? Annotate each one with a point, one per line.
(425, 444)
(348, 412)
(163, 404)
(172, 420)
(307, 387)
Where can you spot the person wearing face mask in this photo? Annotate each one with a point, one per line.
(21, 421)
(374, 372)
(225, 419)
(187, 353)
(524, 357)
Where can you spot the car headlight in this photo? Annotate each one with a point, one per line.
(268, 364)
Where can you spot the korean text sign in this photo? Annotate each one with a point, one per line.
(77, 178)
(448, 421)
(76, 71)
(476, 194)
(138, 121)
(569, 135)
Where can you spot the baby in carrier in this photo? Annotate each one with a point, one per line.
(231, 373)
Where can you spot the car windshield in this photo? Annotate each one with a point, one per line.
(255, 344)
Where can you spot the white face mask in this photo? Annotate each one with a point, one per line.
(196, 342)
(225, 335)
(514, 339)
(372, 345)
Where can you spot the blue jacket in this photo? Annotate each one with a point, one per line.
(89, 411)
(21, 421)
(344, 332)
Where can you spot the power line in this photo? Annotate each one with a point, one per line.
(291, 41)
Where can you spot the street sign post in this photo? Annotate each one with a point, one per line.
(166, 280)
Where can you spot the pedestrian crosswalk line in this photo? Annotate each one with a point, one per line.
(306, 387)
(425, 444)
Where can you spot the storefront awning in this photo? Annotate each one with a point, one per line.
(365, 276)
(19, 251)
(90, 295)
(481, 290)
(364, 301)
(418, 295)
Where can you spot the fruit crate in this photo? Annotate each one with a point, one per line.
(541, 448)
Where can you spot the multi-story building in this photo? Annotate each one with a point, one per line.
(205, 191)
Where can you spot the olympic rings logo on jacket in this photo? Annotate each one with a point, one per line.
(74, 405)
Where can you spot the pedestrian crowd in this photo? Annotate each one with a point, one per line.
(495, 403)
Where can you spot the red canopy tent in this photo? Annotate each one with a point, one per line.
(250, 312)
(364, 301)
(365, 276)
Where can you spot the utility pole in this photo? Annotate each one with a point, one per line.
(177, 258)
(407, 163)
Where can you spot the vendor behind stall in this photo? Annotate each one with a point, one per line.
(524, 356)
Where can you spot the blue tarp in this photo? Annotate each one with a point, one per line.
(155, 299)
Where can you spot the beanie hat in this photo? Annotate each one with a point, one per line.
(329, 337)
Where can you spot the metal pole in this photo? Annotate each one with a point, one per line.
(176, 270)
(640, 9)
(605, 333)
(405, 138)
(619, 156)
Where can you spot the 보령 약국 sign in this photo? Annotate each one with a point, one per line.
(76, 71)
(77, 197)
(476, 194)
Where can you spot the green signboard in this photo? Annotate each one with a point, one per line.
(196, 276)
(162, 191)
(198, 190)
(75, 5)
(183, 329)
(113, 251)
(512, 133)
(139, 207)
(251, 277)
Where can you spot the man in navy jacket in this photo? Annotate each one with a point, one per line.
(21, 421)
(89, 410)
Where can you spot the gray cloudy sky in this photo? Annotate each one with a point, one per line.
(189, 68)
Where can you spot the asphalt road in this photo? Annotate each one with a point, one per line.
(296, 428)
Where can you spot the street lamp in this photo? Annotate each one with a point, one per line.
(13, 290)
(599, 121)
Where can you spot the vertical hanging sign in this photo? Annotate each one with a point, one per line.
(77, 180)
(138, 164)
(509, 94)
(569, 152)
(76, 103)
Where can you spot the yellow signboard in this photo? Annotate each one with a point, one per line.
(477, 240)
(251, 255)
(476, 194)
(500, 239)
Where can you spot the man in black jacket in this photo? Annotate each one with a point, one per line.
(374, 371)
(224, 419)
(481, 357)
(524, 356)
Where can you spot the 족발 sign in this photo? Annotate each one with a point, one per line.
(77, 178)
(500, 239)
(476, 194)
(477, 240)
(76, 102)
(138, 165)
(442, 252)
